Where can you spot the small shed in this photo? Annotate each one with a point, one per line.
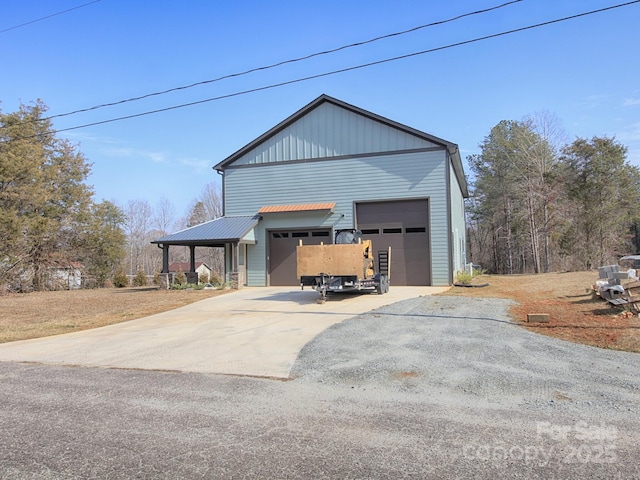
(201, 268)
(67, 276)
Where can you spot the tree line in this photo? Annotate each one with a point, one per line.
(538, 204)
(541, 204)
(49, 220)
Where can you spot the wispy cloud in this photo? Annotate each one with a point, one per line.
(630, 136)
(593, 101)
(80, 136)
(112, 148)
(630, 102)
(129, 152)
(633, 131)
(198, 165)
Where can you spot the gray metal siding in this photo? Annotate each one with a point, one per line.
(331, 131)
(458, 223)
(344, 181)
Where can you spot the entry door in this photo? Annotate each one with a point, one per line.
(282, 253)
(403, 226)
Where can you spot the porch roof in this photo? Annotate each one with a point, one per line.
(213, 233)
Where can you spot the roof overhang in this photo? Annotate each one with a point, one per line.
(215, 233)
(301, 207)
(456, 160)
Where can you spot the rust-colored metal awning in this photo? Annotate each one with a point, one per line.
(301, 207)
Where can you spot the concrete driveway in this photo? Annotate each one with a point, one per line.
(254, 332)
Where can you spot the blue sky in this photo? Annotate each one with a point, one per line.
(585, 71)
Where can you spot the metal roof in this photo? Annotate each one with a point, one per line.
(219, 231)
(301, 207)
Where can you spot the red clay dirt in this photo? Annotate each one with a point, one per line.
(575, 313)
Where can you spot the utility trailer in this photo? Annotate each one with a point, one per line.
(345, 266)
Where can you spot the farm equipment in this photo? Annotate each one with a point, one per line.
(346, 265)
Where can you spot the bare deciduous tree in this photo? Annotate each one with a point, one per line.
(138, 222)
(164, 216)
(211, 198)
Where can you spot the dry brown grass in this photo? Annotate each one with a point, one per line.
(575, 313)
(40, 314)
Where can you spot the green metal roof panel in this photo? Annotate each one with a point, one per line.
(220, 230)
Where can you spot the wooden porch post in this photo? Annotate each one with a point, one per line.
(192, 258)
(236, 252)
(165, 258)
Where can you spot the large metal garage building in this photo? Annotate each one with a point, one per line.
(330, 166)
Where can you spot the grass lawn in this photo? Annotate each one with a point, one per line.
(39, 314)
(575, 314)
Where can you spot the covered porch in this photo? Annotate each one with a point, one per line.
(231, 233)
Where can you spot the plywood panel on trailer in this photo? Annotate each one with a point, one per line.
(330, 259)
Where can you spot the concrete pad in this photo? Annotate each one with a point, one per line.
(254, 331)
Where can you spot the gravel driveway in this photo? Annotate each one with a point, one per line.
(433, 387)
(459, 350)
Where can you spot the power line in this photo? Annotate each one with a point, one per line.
(343, 70)
(284, 62)
(356, 67)
(48, 16)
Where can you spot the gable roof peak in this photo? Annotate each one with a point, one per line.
(322, 99)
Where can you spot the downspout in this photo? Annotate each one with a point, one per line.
(224, 202)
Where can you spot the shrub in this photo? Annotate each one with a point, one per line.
(140, 280)
(156, 278)
(215, 279)
(187, 286)
(120, 279)
(463, 277)
(180, 279)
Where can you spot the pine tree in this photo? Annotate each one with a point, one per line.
(42, 194)
(604, 191)
(47, 215)
(100, 244)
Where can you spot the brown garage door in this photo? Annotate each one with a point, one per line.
(282, 253)
(402, 225)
